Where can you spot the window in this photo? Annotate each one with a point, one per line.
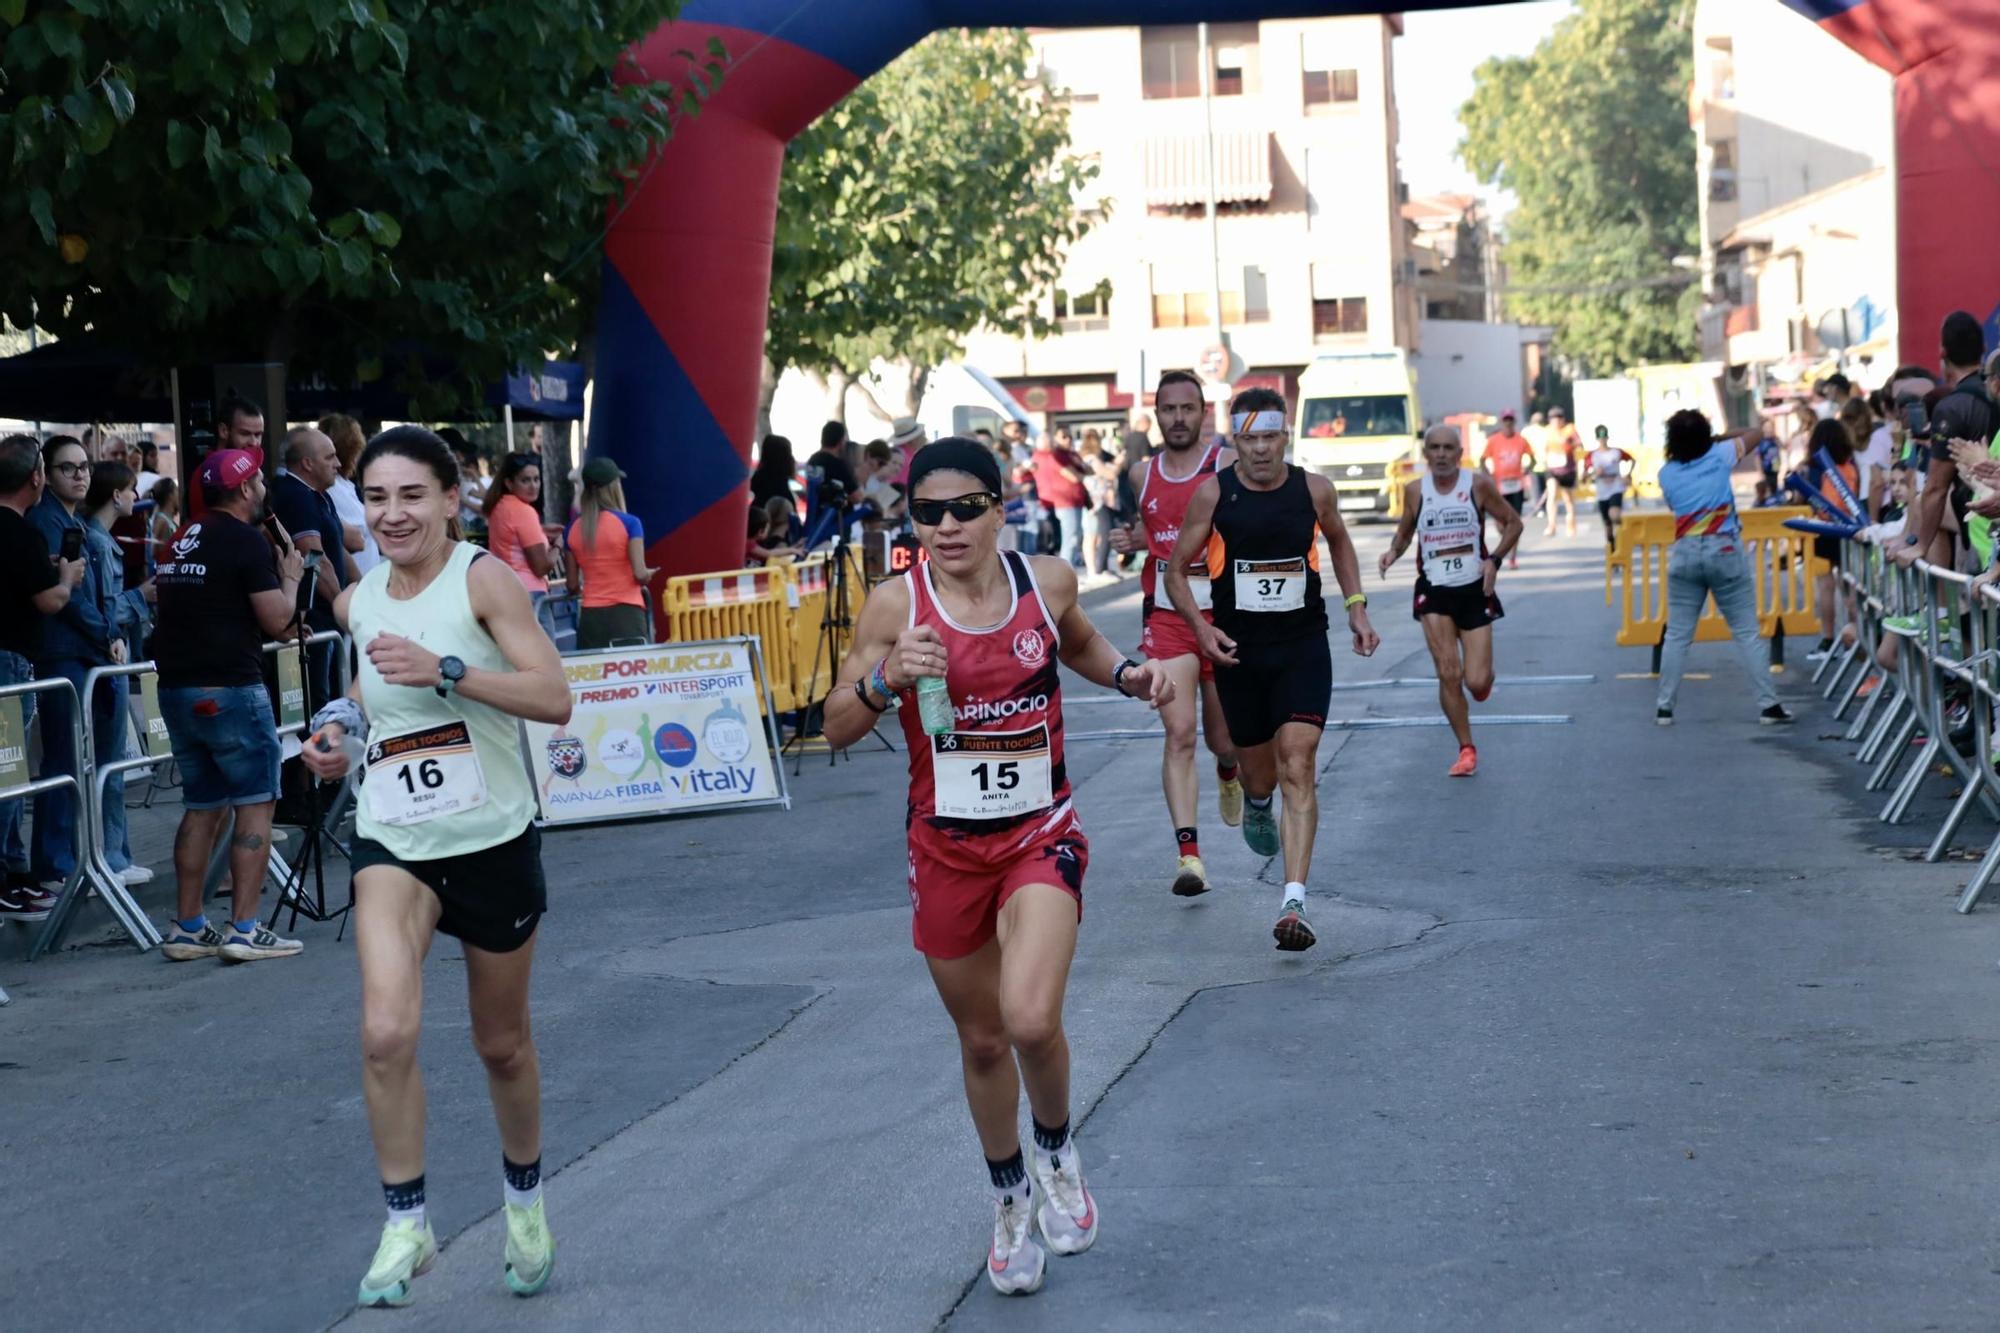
(1256, 297)
(1325, 87)
(1340, 316)
(1083, 312)
(1361, 415)
(1170, 60)
(1184, 310)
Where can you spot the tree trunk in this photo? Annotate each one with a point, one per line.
(920, 378)
(867, 391)
(767, 389)
(837, 385)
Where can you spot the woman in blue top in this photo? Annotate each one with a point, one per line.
(1708, 557)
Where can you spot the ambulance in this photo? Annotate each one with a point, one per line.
(1357, 426)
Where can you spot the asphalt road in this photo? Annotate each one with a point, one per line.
(1637, 1029)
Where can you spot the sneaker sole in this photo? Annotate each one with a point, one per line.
(1294, 936)
(1040, 1276)
(186, 953)
(236, 953)
(1189, 885)
(396, 1297)
(1063, 1246)
(1776, 721)
(521, 1287)
(1663, 722)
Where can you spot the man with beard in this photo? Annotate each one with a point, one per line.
(1163, 485)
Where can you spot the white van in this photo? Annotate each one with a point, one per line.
(1358, 416)
(958, 400)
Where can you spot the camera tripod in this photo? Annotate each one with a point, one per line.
(319, 823)
(836, 630)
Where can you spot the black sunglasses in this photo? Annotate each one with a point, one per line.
(964, 508)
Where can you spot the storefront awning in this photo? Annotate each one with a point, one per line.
(1177, 169)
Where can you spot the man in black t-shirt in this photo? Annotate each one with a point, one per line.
(300, 499)
(222, 593)
(32, 585)
(1964, 412)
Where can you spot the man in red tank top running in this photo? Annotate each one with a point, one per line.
(997, 857)
(1164, 486)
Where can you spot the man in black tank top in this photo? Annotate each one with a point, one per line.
(1258, 523)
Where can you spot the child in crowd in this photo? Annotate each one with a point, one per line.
(755, 552)
(783, 528)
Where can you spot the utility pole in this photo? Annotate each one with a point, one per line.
(1207, 63)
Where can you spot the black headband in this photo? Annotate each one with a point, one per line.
(956, 454)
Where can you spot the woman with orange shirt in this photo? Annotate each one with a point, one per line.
(514, 528)
(608, 562)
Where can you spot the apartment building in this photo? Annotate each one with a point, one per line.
(1795, 146)
(1314, 255)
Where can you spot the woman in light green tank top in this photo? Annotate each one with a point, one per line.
(451, 659)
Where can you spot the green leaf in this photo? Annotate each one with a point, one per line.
(43, 212)
(236, 18)
(366, 50)
(59, 36)
(211, 148)
(309, 267)
(119, 97)
(98, 127)
(399, 43)
(384, 230)
(181, 287)
(13, 11)
(354, 258)
(344, 226)
(296, 40)
(182, 144)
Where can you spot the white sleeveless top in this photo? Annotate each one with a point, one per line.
(1451, 537)
(444, 776)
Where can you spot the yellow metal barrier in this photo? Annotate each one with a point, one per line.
(782, 605)
(737, 602)
(1781, 561)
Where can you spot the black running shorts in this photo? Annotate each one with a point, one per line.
(1610, 504)
(492, 899)
(1275, 683)
(1467, 604)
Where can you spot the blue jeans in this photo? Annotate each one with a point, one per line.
(16, 670)
(1697, 567)
(1071, 521)
(225, 740)
(54, 840)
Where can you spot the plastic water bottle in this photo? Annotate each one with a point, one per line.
(934, 708)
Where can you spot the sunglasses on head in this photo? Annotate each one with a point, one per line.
(964, 508)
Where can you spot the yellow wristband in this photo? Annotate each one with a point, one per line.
(1356, 599)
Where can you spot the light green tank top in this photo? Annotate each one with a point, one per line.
(444, 776)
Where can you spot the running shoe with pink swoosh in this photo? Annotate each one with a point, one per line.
(1015, 1264)
(1068, 1213)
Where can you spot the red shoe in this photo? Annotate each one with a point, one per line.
(1468, 762)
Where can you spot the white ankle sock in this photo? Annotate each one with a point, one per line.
(1294, 892)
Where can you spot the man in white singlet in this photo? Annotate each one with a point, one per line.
(1445, 510)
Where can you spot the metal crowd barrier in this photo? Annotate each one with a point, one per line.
(278, 871)
(1905, 722)
(89, 830)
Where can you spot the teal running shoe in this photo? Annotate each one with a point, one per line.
(1260, 828)
(531, 1251)
(407, 1251)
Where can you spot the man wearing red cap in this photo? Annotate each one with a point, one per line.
(222, 593)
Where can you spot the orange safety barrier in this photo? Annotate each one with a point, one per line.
(1781, 561)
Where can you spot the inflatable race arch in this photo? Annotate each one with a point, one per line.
(687, 263)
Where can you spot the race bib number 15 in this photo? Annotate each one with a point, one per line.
(420, 775)
(992, 774)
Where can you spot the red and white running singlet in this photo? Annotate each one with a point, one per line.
(1163, 502)
(1001, 770)
(1451, 535)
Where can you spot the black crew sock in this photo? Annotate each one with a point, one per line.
(1010, 1177)
(524, 1183)
(405, 1200)
(1051, 1140)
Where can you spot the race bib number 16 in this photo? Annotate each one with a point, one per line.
(420, 775)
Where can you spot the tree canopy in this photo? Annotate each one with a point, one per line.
(1590, 132)
(326, 182)
(939, 196)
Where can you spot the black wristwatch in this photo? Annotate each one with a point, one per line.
(450, 672)
(1118, 675)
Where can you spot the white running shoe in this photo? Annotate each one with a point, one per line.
(1068, 1213)
(260, 942)
(1015, 1264)
(135, 875)
(406, 1253)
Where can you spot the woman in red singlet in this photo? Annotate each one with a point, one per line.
(996, 854)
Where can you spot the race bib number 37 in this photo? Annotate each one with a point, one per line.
(992, 774)
(1271, 585)
(420, 775)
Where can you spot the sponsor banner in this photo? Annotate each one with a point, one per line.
(656, 730)
(13, 744)
(157, 740)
